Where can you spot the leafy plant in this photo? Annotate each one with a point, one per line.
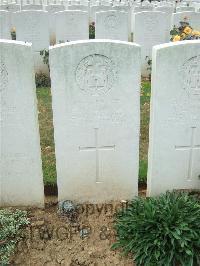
(161, 231)
(149, 65)
(42, 80)
(11, 225)
(184, 32)
(92, 30)
(45, 56)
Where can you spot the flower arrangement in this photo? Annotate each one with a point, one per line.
(184, 32)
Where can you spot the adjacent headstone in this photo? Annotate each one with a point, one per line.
(33, 27)
(71, 26)
(111, 25)
(21, 179)
(149, 29)
(5, 25)
(95, 90)
(192, 17)
(174, 151)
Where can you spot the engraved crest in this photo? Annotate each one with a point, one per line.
(191, 76)
(111, 22)
(96, 74)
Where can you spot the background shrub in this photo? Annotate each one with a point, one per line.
(162, 230)
(42, 80)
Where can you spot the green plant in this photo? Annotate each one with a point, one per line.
(11, 225)
(161, 231)
(143, 171)
(92, 30)
(45, 56)
(42, 80)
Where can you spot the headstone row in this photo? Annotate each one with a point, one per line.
(96, 114)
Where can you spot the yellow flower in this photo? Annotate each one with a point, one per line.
(176, 38)
(195, 32)
(183, 35)
(187, 30)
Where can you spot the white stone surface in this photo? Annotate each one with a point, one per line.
(5, 25)
(21, 182)
(111, 25)
(32, 7)
(95, 9)
(168, 10)
(149, 29)
(52, 9)
(174, 151)
(33, 27)
(71, 26)
(96, 90)
(142, 8)
(185, 8)
(192, 17)
(78, 7)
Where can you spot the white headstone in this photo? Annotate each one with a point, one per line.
(78, 7)
(33, 27)
(32, 7)
(21, 179)
(185, 8)
(111, 25)
(143, 8)
(192, 17)
(168, 10)
(95, 90)
(71, 26)
(149, 29)
(174, 151)
(52, 9)
(5, 25)
(95, 9)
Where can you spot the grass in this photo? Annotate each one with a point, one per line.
(46, 135)
(47, 141)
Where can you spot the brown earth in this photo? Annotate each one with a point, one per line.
(83, 240)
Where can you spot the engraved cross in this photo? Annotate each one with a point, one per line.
(97, 148)
(191, 149)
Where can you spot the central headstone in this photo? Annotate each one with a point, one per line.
(95, 90)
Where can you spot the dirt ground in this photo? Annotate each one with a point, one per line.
(81, 240)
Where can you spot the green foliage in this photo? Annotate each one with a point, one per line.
(143, 171)
(42, 80)
(11, 225)
(45, 56)
(92, 30)
(13, 35)
(161, 231)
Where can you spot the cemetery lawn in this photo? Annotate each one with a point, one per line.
(47, 140)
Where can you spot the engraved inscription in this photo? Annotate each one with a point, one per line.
(3, 75)
(186, 106)
(96, 74)
(97, 148)
(191, 149)
(191, 76)
(111, 23)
